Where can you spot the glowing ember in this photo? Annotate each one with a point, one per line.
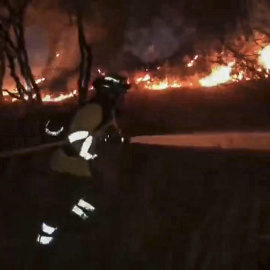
(240, 77)
(40, 80)
(219, 75)
(191, 63)
(101, 72)
(144, 78)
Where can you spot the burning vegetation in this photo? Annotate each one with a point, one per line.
(238, 57)
(228, 66)
(251, 62)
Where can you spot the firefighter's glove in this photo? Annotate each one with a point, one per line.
(116, 138)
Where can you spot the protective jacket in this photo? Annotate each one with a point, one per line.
(91, 125)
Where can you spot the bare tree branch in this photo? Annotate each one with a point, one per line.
(78, 9)
(2, 63)
(9, 50)
(18, 49)
(20, 88)
(2, 71)
(250, 64)
(263, 31)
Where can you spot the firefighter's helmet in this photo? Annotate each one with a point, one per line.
(112, 85)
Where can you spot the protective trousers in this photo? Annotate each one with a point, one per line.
(72, 203)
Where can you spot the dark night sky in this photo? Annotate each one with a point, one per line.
(121, 17)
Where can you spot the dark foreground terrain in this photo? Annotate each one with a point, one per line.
(244, 106)
(174, 209)
(171, 208)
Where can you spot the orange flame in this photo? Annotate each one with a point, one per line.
(220, 74)
(264, 58)
(58, 98)
(162, 84)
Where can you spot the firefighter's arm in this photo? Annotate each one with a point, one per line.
(82, 137)
(124, 138)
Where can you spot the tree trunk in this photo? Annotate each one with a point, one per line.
(86, 62)
(2, 63)
(17, 50)
(11, 53)
(2, 73)
(24, 60)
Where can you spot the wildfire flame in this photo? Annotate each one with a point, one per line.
(264, 58)
(219, 75)
(145, 78)
(49, 97)
(163, 84)
(60, 97)
(231, 70)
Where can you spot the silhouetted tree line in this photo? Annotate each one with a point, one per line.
(221, 17)
(13, 52)
(77, 12)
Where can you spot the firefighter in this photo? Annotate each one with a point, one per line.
(73, 166)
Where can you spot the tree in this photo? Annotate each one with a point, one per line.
(77, 10)
(2, 63)
(238, 27)
(12, 32)
(86, 61)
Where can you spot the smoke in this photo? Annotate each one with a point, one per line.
(124, 35)
(260, 15)
(35, 37)
(52, 45)
(158, 40)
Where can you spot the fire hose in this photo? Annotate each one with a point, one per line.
(252, 141)
(29, 150)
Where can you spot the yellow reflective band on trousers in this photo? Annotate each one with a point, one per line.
(48, 229)
(85, 205)
(44, 240)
